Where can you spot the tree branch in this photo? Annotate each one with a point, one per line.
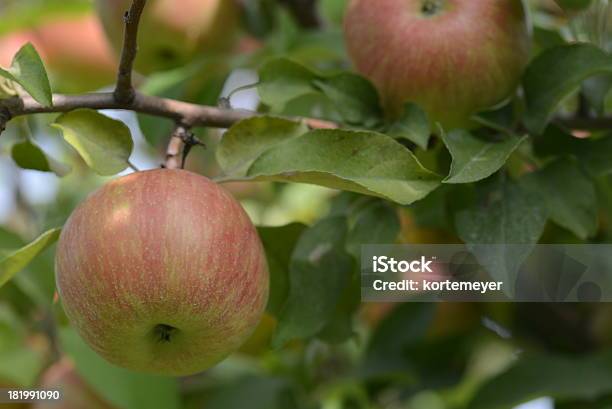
(190, 115)
(124, 91)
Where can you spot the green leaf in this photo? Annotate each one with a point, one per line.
(279, 243)
(574, 5)
(547, 37)
(363, 162)
(594, 153)
(319, 272)
(254, 393)
(555, 74)
(406, 325)
(14, 262)
(355, 98)
(545, 375)
(412, 125)
(122, 388)
(502, 119)
(475, 159)
(104, 143)
(507, 214)
(569, 195)
(28, 70)
(281, 80)
(29, 156)
(20, 365)
(249, 139)
(596, 90)
(375, 223)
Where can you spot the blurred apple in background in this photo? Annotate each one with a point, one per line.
(76, 53)
(73, 48)
(452, 57)
(76, 394)
(176, 31)
(11, 43)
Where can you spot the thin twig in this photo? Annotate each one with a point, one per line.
(175, 147)
(191, 115)
(124, 91)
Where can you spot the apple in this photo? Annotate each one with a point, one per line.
(451, 57)
(76, 53)
(173, 32)
(12, 42)
(162, 272)
(76, 393)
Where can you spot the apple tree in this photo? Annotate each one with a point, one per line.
(186, 186)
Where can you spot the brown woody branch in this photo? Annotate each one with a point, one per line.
(175, 147)
(124, 91)
(190, 115)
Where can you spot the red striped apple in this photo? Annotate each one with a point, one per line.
(452, 57)
(162, 272)
(173, 32)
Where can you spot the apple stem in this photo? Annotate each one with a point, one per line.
(182, 141)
